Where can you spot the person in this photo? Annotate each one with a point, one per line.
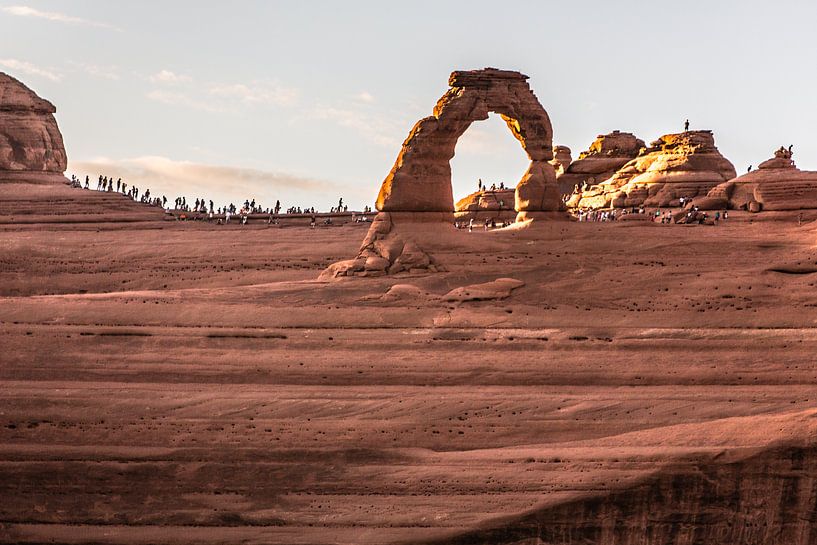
(749, 169)
(487, 223)
(471, 222)
(479, 184)
(312, 221)
(686, 125)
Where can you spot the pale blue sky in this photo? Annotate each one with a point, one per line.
(306, 100)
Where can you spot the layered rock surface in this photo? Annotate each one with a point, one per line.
(31, 146)
(777, 184)
(687, 164)
(180, 383)
(606, 155)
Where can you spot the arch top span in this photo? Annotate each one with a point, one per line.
(420, 180)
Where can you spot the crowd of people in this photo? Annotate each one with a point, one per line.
(692, 215)
(203, 209)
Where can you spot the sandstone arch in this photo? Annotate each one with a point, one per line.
(420, 180)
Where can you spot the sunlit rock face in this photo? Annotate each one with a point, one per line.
(607, 154)
(676, 165)
(420, 180)
(777, 184)
(31, 145)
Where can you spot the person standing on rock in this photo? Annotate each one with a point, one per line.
(686, 125)
(749, 169)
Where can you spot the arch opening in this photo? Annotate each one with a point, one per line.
(489, 152)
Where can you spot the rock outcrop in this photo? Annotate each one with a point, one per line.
(498, 202)
(31, 146)
(676, 165)
(420, 180)
(33, 188)
(607, 154)
(777, 184)
(386, 251)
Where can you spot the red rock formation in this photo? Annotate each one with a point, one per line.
(420, 180)
(418, 188)
(777, 184)
(607, 154)
(489, 199)
(31, 146)
(676, 165)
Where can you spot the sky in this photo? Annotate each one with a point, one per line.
(309, 101)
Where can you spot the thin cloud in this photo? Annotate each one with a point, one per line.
(164, 176)
(373, 128)
(166, 76)
(25, 11)
(256, 93)
(220, 97)
(30, 69)
(178, 98)
(365, 96)
(97, 71)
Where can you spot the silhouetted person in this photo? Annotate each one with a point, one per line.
(686, 125)
(749, 169)
(790, 147)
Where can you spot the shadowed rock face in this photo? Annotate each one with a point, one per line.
(420, 180)
(777, 184)
(766, 499)
(676, 165)
(30, 141)
(607, 154)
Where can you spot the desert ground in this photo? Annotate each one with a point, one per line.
(171, 382)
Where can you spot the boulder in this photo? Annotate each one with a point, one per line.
(676, 165)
